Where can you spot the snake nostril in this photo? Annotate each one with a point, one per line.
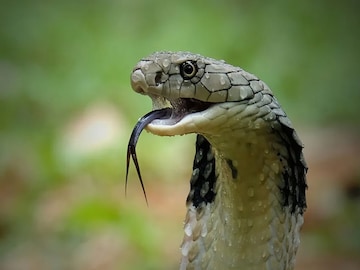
(158, 78)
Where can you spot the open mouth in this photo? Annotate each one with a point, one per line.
(164, 116)
(180, 108)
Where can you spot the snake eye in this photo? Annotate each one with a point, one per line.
(188, 69)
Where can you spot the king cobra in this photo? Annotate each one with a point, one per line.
(247, 189)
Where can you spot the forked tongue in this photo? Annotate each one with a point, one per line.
(131, 151)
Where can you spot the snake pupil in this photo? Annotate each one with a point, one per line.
(188, 69)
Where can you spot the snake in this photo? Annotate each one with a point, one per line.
(248, 184)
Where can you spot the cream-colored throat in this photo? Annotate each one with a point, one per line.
(246, 225)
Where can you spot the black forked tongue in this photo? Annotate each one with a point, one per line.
(131, 151)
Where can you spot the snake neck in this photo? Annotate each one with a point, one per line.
(239, 216)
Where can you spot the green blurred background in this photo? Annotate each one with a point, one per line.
(67, 110)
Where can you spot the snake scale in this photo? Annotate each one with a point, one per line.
(247, 189)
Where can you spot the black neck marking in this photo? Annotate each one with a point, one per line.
(294, 175)
(203, 177)
(234, 171)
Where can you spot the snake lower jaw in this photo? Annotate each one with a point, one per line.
(185, 113)
(169, 127)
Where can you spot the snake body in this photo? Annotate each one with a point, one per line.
(247, 190)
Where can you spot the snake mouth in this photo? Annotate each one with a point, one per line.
(161, 115)
(179, 107)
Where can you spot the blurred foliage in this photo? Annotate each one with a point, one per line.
(58, 58)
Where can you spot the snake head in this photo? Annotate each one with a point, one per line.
(234, 110)
(193, 86)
